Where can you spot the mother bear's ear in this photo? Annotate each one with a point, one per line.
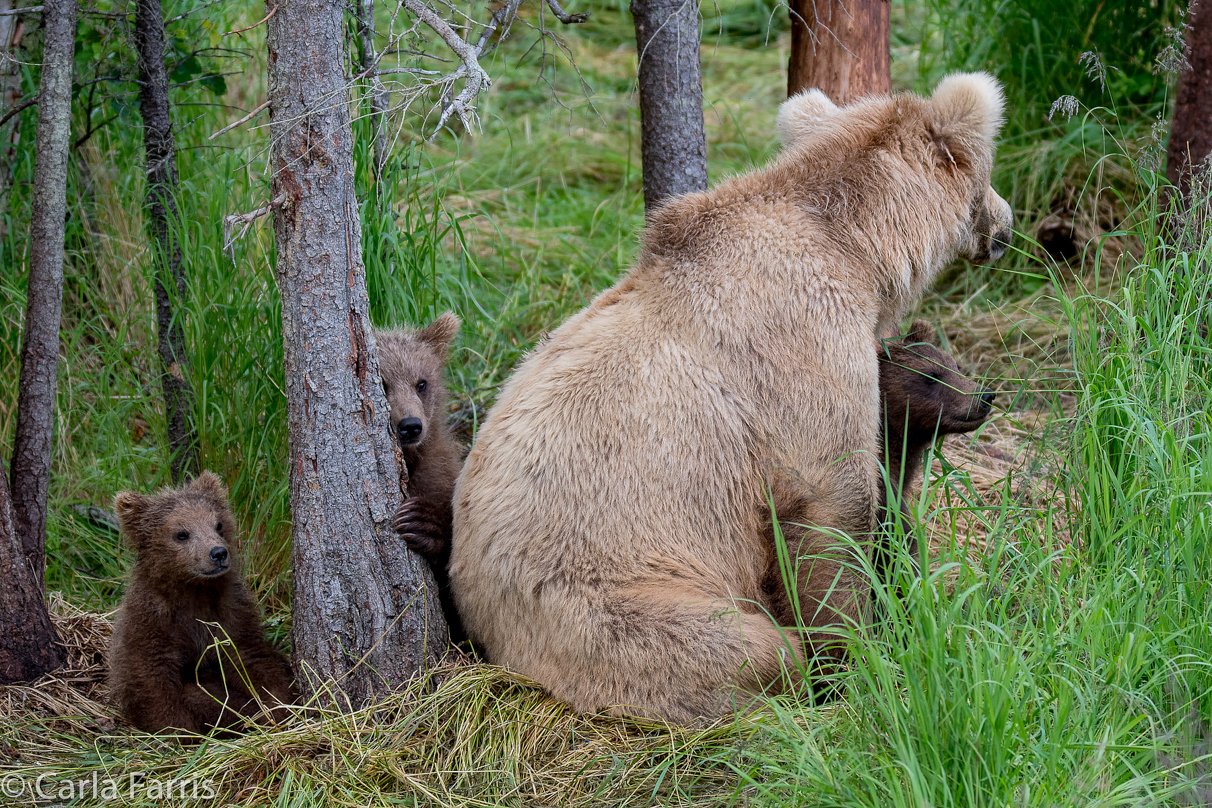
(965, 118)
(802, 114)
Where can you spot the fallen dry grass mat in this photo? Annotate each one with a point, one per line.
(483, 736)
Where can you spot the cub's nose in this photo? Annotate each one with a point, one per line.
(409, 430)
(987, 397)
(219, 555)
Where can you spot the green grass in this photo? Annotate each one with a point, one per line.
(1068, 663)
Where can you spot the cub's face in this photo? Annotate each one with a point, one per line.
(925, 392)
(411, 365)
(183, 536)
(195, 540)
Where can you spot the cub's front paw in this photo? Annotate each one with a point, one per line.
(421, 530)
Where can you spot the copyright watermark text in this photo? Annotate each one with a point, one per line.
(54, 786)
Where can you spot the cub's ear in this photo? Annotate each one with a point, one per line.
(209, 483)
(129, 507)
(802, 114)
(921, 331)
(441, 332)
(966, 116)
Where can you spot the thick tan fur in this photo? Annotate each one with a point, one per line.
(184, 593)
(610, 523)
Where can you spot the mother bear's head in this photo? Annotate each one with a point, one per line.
(947, 140)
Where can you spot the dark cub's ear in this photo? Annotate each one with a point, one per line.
(208, 483)
(441, 332)
(921, 331)
(129, 507)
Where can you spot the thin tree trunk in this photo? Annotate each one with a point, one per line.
(11, 30)
(359, 594)
(673, 142)
(1191, 129)
(378, 93)
(840, 47)
(29, 645)
(171, 291)
(44, 301)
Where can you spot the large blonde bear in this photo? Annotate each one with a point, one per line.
(611, 524)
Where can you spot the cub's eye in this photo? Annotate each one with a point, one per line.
(219, 528)
(387, 390)
(182, 535)
(421, 385)
(935, 377)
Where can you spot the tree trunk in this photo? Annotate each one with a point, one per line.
(44, 301)
(378, 93)
(673, 143)
(1191, 129)
(29, 645)
(11, 31)
(359, 594)
(171, 291)
(840, 48)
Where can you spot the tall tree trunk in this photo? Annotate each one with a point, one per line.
(171, 291)
(673, 142)
(1191, 129)
(359, 594)
(29, 645)
(44, 302)
(840, 47)
(11, 30)
(378, 93)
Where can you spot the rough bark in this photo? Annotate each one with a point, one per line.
(11, 31)
(160, 148)
(1191, 128)
(359, 594)
(44, 300)
(673, 142)
(840, 47)
(29, 645)
(378, 93)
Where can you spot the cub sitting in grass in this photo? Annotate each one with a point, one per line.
(184, 592)
(411, 364)
(924, 395)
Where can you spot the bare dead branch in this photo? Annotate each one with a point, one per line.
(245, 119)
(254, 25)
(476, 79)
(18, 107)
(246, 219)
(193, 10)
(565, 17)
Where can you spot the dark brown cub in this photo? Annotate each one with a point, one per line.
(924, 395)
(411, 363)
(184, 592)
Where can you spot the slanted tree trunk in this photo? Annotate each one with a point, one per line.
(29, 645)
(44, 301)
(840, 47)
(673, 142)
(359, 594)
(378, 93)
(171, 291)
(1191, 129)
